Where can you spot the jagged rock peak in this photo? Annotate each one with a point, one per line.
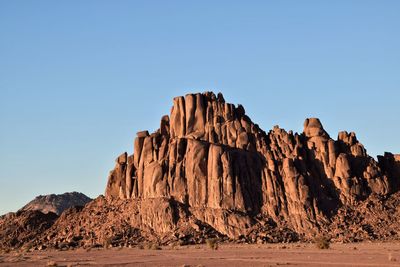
(313, 127)
(206, 117)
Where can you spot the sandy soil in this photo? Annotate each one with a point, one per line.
(364, 254)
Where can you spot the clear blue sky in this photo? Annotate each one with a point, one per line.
(78, 79)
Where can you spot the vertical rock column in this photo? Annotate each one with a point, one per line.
(116, 184)
(178, 118)
(137, 156)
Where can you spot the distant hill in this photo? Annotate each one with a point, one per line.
(56, 203)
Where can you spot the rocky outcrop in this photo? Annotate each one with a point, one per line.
(209, 157)
(35, 218)
(210, 172)
(20, 228)
(56, 203)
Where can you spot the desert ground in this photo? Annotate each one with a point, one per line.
(360, 254)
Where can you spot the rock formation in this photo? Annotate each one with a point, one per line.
(211, 158)
(210, 172)
(22, 227)
(57, 203)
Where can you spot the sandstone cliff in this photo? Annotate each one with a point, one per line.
(211, 158)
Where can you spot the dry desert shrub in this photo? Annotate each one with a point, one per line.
(322, 242)
(153, 246)
(107, 243)
(212, 243)
(51, 263)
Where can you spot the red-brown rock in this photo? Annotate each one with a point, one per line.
(211, 158)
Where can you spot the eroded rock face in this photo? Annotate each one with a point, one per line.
(209, 157)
